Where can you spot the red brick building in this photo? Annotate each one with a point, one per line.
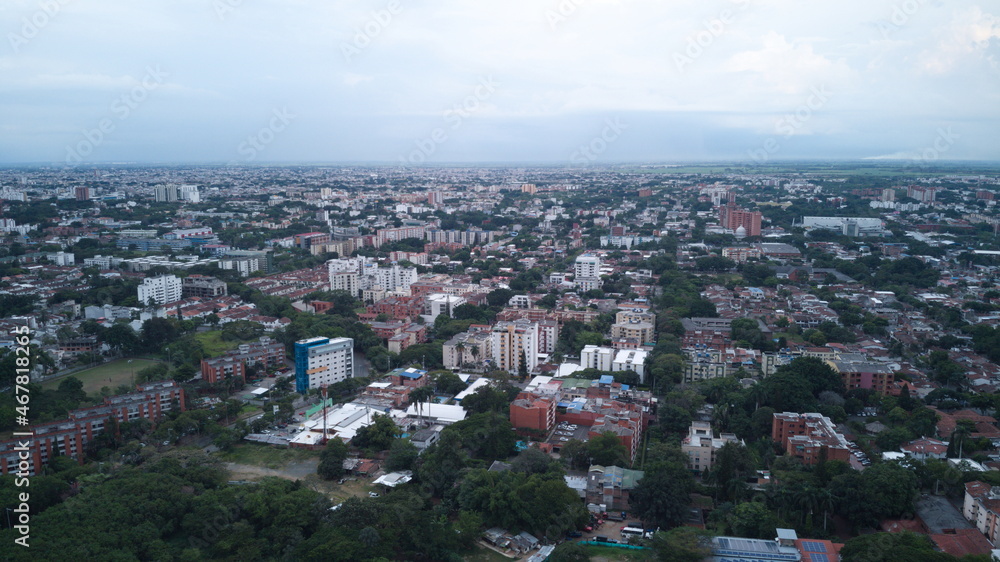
(531, 411)
(809, 437)
(865, 374)
(265, 352)
(627, 420)
(70, 436)
(398, 308)
(733, 217)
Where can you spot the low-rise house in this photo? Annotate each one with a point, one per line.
(701, 445)
(611, 486)
(926, 448)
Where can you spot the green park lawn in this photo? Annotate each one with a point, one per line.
(110, 374)
(213, 344)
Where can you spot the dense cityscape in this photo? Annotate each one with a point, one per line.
(791, 361)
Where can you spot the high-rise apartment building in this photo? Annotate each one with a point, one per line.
(322, 361)
(733, 217)
(395, 277)
(189, 193)
(356, 275)
(348, 281)
(587, 265)
(512, 341)
(166, 193)
(161, 290)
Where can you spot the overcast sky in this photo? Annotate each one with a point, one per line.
(562, 81)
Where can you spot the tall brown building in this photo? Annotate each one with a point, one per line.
(733, 217)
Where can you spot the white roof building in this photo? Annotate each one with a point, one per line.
(341, 421)
(441, 413)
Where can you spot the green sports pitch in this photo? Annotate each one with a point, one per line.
(111, 374)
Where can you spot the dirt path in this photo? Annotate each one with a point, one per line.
(292, 471)
(306, 472)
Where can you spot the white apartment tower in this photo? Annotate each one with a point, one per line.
(346, 281)
(162, 289)
(367, 275)
(323, 361)
(597, 357)
(587, 265)
(587, 270)
(511, 340)
(395, 277)
(166, 193)
(190, 193)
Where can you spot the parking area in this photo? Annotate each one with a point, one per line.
(859, 460)
(610, 530)
(566, 431)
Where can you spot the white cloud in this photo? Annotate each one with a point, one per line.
(352, 79)
(605, 58)
(786, 68)
(965, 39)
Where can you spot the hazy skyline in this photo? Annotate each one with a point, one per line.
(573, 81)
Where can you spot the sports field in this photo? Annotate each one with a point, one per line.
(110, 374)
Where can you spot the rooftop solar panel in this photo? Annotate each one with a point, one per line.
(813, 546)
(819, 557)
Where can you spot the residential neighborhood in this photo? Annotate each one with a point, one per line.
(767, 366)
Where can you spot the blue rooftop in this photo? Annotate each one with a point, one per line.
(409, 373)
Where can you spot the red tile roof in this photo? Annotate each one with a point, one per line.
(962, 542)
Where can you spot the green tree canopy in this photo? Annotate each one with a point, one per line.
(331, 461)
